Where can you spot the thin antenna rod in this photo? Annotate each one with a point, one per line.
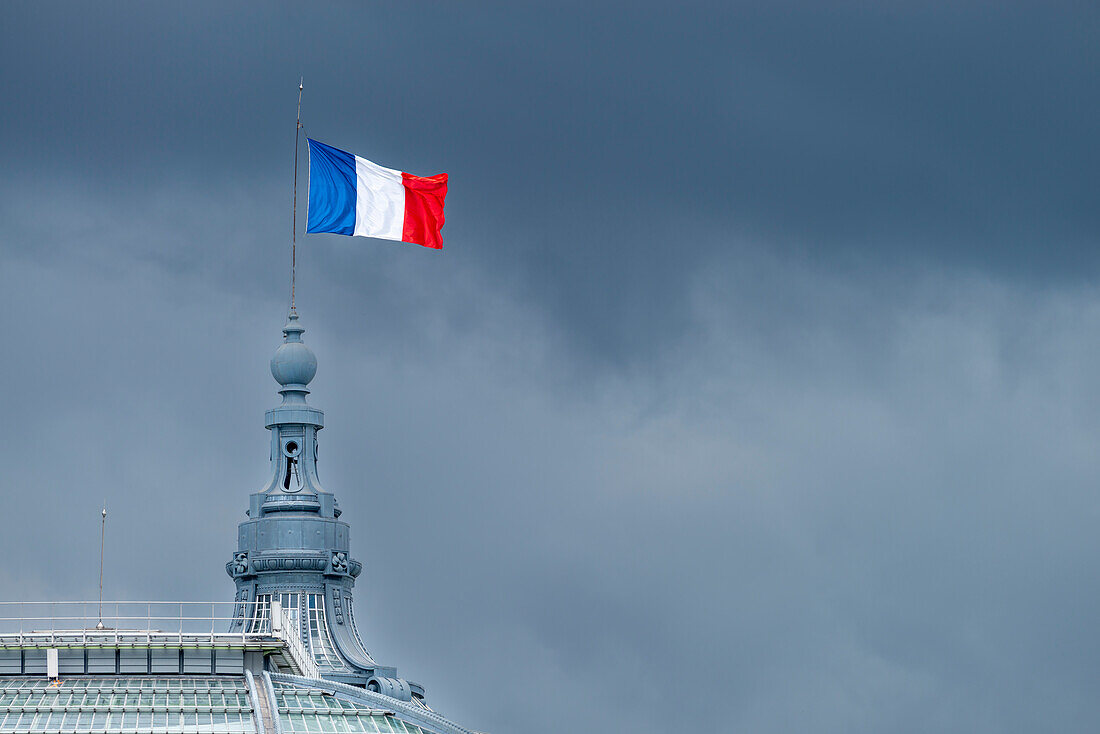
(294, 219)
(102, 535)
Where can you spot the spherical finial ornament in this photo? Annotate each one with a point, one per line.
(294, 363)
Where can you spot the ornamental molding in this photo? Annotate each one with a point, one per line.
(296, 562)
(341, 564)
(239, 563)
(242, 602)
(337, 606)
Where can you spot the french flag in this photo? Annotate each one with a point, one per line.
(351, 195)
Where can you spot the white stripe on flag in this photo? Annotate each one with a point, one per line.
(379, 201)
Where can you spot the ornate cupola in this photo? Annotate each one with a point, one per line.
(292, 552)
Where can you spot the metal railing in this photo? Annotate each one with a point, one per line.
(125, 622)
(285, 628)
(154, 623)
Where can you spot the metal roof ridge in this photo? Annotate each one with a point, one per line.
(430, 719)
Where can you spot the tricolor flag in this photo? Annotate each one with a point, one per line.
(351, 195)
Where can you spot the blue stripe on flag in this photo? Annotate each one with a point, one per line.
(331, 190)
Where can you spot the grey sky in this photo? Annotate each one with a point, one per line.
(754, 389)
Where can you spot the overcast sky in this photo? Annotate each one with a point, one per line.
(756, 388)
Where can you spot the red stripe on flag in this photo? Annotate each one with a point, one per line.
(424, 197)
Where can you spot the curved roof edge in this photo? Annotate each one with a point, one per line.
(410, 712)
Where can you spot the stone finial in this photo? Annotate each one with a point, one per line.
(294, 363)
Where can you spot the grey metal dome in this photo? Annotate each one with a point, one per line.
(293, 554)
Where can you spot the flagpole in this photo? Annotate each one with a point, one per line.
(294, 216)
(102, 536)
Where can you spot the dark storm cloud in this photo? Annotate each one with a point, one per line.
(753, 391)
(848, 133)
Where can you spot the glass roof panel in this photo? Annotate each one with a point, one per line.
(305, 710)
(126, 705)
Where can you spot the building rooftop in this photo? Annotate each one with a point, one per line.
(283, 657)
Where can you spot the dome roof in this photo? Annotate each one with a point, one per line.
(294, 363)
(197, 704)
(112, 703)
